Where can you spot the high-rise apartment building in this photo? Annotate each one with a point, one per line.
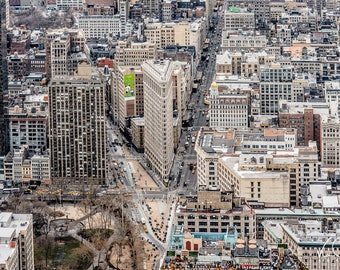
(158, 114)
(77, 127)
(3, 70)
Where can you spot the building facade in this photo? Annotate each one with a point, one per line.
(28, 128)
(212, 210)
(228, 110)
(315, 243)
(158, 114)
(77, 137)
(237, 18)
(64, 50)
(21, 166)
(306, 118)
(275, 85)
(330, 143)
(101, 26)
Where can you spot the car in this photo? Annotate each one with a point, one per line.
(145, 229)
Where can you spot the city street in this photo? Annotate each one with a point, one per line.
(125, 179)
(183, 177)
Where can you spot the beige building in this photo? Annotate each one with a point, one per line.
(128, 54)
(261, 165)
(158, 114)
(134, 53)
(212, 210)
(16, 241)
(22, 166)
(78, 127)
(183, 33)
(65, 48)
(248, 176)
(214, 143)
(182, 86)
(245, 64)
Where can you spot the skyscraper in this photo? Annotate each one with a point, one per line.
(158, 114)
(3, 71)
(77, 127)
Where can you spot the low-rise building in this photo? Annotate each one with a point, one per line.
(258, 164)
(238, 18)
(21, 166)
(228, 109)
(16, 241)
(233, 41)
(28, 125)
(315, 243)
(212, 210)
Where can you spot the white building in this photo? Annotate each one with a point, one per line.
(158, 114)
(70, 4)
(227, 110)
(237, 18)
(100, 26)
(315, 243)
(330, 143)
(16, 241)
(235, 41)
(332, 96)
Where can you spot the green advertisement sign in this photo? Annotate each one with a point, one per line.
(129, 85)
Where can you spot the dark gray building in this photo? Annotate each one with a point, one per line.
(3, 74)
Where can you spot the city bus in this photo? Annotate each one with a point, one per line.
(11, 190)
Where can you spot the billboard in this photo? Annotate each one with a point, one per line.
(129, 85)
